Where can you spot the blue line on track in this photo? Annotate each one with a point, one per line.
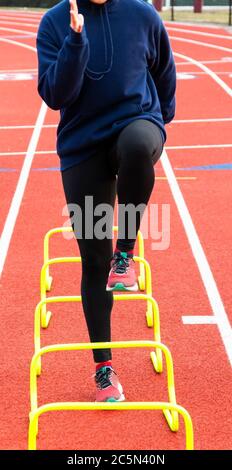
(10, 170)
(220, 166)
(7, 170)
(217, 166)
(52, 168)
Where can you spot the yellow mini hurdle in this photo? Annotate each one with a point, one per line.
(141, 278)
(170, 409)
(64, 406)
(42, 316)
(53, 231)
(45, 318)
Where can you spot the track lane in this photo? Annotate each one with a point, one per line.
(191, 369)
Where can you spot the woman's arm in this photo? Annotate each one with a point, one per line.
(163, 72)
(61, 70)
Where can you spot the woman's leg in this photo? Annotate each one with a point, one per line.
(93, 178)
(137, 148)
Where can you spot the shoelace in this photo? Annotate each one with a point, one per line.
(103, 376)
(120, 264)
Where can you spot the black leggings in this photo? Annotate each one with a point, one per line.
(131, 157)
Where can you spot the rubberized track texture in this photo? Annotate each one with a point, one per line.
(190, 277)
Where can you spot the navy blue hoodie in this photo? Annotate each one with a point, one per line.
(120, 68)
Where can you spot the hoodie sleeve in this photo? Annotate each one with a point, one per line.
(163, 72)
(61, 68)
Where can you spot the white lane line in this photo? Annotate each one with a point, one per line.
(195, 25)
(38, 152)
(189, 121)
(199, 320)
(200, 43)
(202, 33)
(20, 189)
(186, 147)
(16, 43)
(27, 33)
(19, 24)
(17, 71)
(192, 72)
(224, 60)
(45, 126)
(213, 294)
(21, 18)
(206, 69)
(180, 147)
(23, 178)
(174, 147)
(200, 258)
(175, 121)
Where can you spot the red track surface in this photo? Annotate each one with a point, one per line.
(201, 363)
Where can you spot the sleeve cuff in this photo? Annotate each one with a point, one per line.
(169, 119)
(78, 38)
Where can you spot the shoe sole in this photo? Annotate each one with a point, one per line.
(112, 399)
(121, 287)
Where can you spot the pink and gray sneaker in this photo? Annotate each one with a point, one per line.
(108, 386)
(122, 274)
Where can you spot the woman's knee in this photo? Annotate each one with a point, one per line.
(140, 144)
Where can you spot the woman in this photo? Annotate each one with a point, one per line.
(108, 67)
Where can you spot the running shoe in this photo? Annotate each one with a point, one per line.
(122, 274)
(108, 385)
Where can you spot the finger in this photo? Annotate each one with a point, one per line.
(81, 21)
(74, 21)
(73, 5)
(80, 24)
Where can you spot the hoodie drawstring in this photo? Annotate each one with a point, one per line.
(108, 44)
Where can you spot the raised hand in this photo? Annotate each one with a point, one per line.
(76, 19)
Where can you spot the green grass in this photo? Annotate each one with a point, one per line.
(25, 9)
(215, 17)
